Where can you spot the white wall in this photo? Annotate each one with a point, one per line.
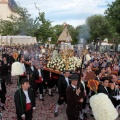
(5, 11)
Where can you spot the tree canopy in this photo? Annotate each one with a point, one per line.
(99, 27)
(113, 15)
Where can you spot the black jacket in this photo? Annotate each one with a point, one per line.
(3, 86)
(62, 86)
(109, 92)
(17, 100)
(82, 87)
(31, 71)
(4, 70)
(73, 104)
(11, 60)
(46, 75)
(37, 74)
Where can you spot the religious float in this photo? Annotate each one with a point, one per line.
(65, 59)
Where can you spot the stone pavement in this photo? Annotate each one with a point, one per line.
(44, 110)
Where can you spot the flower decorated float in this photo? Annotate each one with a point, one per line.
(64, 61)
(101, 105)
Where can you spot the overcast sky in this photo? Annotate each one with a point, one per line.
(73, 12)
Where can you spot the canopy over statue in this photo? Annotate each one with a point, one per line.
(65, 36)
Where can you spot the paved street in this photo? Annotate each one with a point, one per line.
(44, 110)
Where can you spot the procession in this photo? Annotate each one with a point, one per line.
(66, 71)
(51, 75)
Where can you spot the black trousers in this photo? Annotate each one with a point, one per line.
(52, 83)
(28, 115)
(45, 85)
(2, 97)
(84, 103)
(61, 101)
(40, 87)
(72, 116)
(8, 78)
(115, 102)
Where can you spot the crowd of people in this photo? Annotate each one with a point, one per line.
(36, 81)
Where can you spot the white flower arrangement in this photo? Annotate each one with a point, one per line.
(59, 63)
(74, 63)
(17, 69)
(56, 64)
(102, 107)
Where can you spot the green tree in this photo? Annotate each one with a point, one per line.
(76, 34)
(73, 33)
(6, 27)
(113, 15)
(24, 23)
(44, 30)
(99, 27)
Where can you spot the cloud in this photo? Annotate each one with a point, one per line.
(66, 10)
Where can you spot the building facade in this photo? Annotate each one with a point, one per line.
(7, 8)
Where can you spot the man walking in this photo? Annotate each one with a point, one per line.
(63, 83)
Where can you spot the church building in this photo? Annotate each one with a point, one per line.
(7, 8)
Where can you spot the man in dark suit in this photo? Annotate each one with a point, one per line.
(10, 58)
(5, 55)
(114, 80)
(4, 70)
(39, 81)
(32, 69)
(24, 101)
(74, 98)
(1, 59)
(2, 91)
(103, 88)
(53, 82)
(63, 83)
(46, 78)
(83, 87)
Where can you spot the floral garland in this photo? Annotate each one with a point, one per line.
(102, 107)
